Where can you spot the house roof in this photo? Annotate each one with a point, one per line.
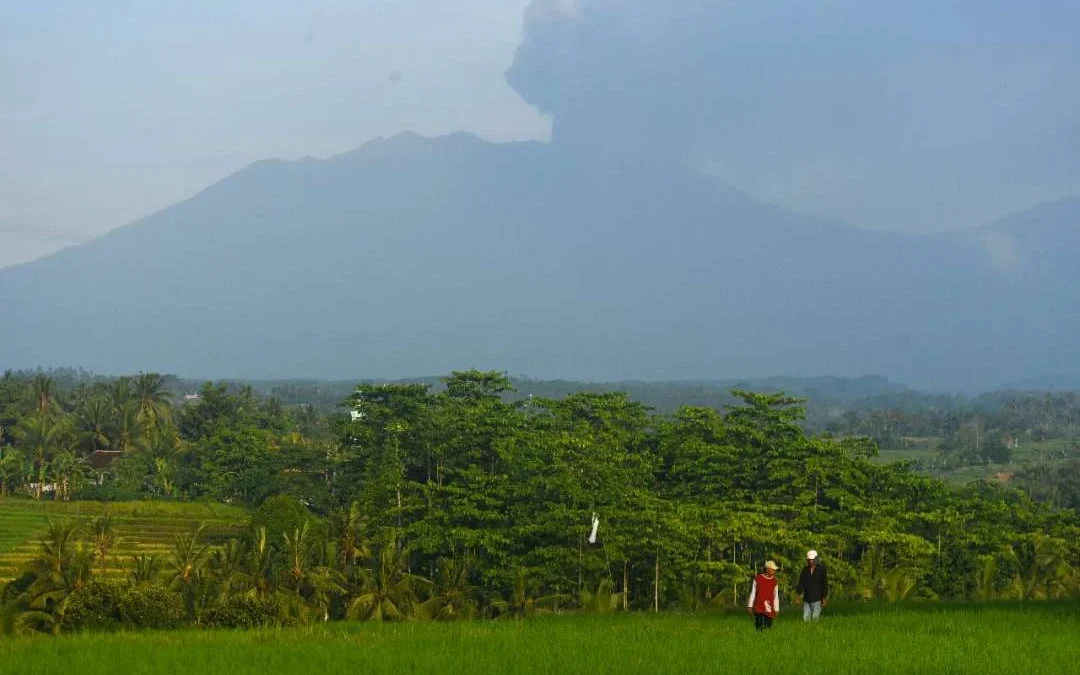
(99, 459)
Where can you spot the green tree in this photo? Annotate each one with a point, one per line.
(42, 436)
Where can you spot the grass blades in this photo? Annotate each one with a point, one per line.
(944, 639)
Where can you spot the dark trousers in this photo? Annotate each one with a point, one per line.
(762, 621)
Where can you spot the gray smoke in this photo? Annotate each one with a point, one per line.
(913, 114)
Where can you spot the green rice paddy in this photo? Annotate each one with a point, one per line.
(144, 528)
(1029, 638)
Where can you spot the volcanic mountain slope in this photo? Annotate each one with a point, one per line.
(416, 255)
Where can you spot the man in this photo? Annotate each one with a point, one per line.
(813, 586)
(764, 603)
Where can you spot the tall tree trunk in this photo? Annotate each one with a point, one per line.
(625, 585)
(656, 584)
(580, 562)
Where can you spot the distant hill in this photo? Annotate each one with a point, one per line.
(419, 255)
(1061, 382)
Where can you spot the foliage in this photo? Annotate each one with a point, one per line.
(459, 502)
(110, 605)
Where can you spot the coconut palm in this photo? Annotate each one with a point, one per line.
(12, 468)
(145, 568)
(1043, 569)
(346, 528)
(188, 554)
(261, 563)
(523, 602)
(163, 446)
(103, 538)
(67, 473)
(41, 436)
(986, 584)
(600, 601)
(153, 399)
(228, 566)
(42, 393)
(93, 418)
(454, 597)
(389, 593)
(128, 428)
(62, 566)
(187, 573)
(315, 584)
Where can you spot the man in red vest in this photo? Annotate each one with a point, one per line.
(764, 603)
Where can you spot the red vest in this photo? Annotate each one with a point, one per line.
(765, 593)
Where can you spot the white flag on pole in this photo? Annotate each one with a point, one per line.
(595, 527)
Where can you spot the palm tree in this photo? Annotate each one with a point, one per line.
(1043, 571)
(308, 421)
(41, 436)
(42, 393)
(604, 601)
(144, 569)
(455, 597)
(186, 562)
(153, 399)
(188, 554)
(389, 593)
(228, 568)
(163, 445)
(522, 602)
(62, 566)
(986, 583)
(261, 565)
(347, 528)
(68, 472)
(128, 428)
(104, 538)
(314, 584)
(11, 470)
(92, 420)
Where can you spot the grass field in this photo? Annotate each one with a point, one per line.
(1032, 638)
(1053, 453)
(143, 528)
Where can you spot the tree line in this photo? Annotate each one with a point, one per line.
(468, 502)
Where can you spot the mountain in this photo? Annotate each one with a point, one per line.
(415, 255)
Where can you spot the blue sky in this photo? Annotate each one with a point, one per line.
(110, 110)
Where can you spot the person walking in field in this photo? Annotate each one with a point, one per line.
(764, 603)
(813, 586)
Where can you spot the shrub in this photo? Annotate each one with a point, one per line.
(151, 606)
(245, 612)
(111, 605)
(94, 607)
(106, 493)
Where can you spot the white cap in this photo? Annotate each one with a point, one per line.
(811, 554)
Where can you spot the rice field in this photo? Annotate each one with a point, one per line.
(143, 528)
(1029, 638)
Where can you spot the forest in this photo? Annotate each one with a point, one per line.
(465, 500)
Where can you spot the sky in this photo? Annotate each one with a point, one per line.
(112, 110)
(912, 115)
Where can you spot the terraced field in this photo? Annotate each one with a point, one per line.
(143, 528)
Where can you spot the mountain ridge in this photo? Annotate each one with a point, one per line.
(410, 255)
